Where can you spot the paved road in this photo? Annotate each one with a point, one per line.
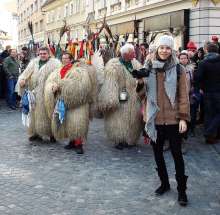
(45, 179)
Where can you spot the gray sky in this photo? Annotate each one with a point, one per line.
(5, 20)
(7, 23)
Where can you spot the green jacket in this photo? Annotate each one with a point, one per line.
(11, 67)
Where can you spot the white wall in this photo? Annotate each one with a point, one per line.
(204, 22)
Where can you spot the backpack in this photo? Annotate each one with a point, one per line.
(178, 71)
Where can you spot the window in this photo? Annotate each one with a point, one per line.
(102, 4)
(36, 5)
(42, 2)
(48, 17)
(83, 4)
(28, 12)
(32, 8)
(131, 3)
(52, 16)
(115, 7)
(77, 6)
(41, 25)
(71, 8)
(112, 2)
(128, 3)
(66, 10)
(36, 27)
(24, 15)
(90, 6)
(58, 14)
(21, 17)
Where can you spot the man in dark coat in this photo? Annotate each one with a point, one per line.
(3, 55)
(208, 79)
(215, 41)
(25, 58)
(11, 69)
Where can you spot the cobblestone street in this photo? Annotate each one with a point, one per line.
(45, 179)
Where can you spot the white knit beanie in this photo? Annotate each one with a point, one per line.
(166, 40)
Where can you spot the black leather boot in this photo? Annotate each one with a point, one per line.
(181, 188)
(79, 149)
(52, 139)
(35, 137)
(70, 145)
(119, 146)
(165, 185)
(163, 188)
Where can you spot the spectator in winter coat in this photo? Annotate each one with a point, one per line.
(208, 78)
(194, 100)
(215, 41)
(3, 84)
(11, 68)
(144, 50)
(24, 58)
(191, 50)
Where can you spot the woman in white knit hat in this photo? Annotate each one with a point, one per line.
(167, 110)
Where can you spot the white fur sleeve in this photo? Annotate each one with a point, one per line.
(108, 97)
(25, 76)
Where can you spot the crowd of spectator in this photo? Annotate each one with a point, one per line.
(202, 66)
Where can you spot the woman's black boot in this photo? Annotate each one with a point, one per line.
(165, 185)
(181, 188)
(162, 189)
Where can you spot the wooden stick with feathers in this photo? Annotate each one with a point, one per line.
(153, 37)
(30, 27)
(63, 30)
(106, 27)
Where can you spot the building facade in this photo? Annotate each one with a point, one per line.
(185, 20)
(204, 21)
(72, 11)
(144, 18)
(30, 10)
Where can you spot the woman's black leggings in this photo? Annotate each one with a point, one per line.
(171, 133)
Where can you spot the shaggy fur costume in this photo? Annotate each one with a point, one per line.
(78, 90)
(122, 119)
(35, 80)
